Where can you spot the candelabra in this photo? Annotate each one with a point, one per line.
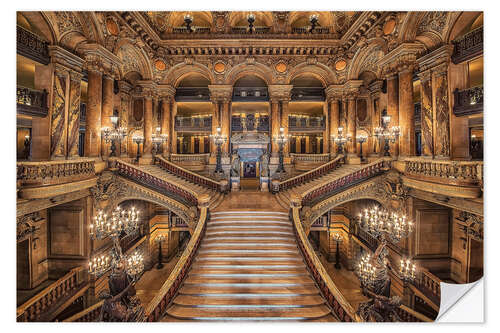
(159, 240)
(114, 134)
(188, 19)
(385, 133)
(281, 139)
(104, 226)
(407, 270)
(158, 139)
(366, 271)
(251, 21)
(138, 139)
(361, 139)
(218, 139)
(341, 139)
(338, 239)
(385, 225)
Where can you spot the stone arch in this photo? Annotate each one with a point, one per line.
(260, 70)
(133, 60)
(180, 71)
(297, 18)
(176, 210)
(200, 19)
(409, 26)
(320, 71)
(261, 18)
(38, 23)
(366, 58)
(461, 22)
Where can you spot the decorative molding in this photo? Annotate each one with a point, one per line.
(26, 225)
(32, 46)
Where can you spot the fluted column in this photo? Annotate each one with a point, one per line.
(406, 111)
(225, 123)
(426, 107)
(93, 115)
(75, 87)
(107, 110)
(215, 124)
(222, 94)
(148, 124)
(167, 97)
(173, 132)
(59, 114)
(351, 124)
(275, 126)
(392, 107)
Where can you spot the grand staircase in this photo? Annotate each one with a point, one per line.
(343, 170)
(248, 267)
(158, 171)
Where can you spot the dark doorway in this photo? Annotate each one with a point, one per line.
(196, 145)
(206, 144)
(249, 170)
(303, 145)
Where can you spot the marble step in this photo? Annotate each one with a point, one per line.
(260, 240)
(247, 246)
(248, 212)
(190, 300)
(242, 279)
(237, 233)
(293, 289)
(248, 269)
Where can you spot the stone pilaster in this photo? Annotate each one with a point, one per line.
(107, 110)
(333, 97)
(221, 94)
(167, 94)
(427, 113)
(406, 111)
(441, 112)
(58, 114)
(375, 88)
(75, 85)
(280, 94)
(124, 112)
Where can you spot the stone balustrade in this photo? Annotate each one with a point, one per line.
(342, 309)
(429, 283)
(468, 101)
(315, 173)
(54, 172)
(32, 102)
(451, 172)
(468, 46)
(321, 191)
(411, 316)
(310, 158)
(37, 306)
(189, 175)
(189, 158)
(142, 177)
(90, 314)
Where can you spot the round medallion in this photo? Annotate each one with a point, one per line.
(219, 67)
(160, 65)
(389, 26)
(340, 64)
(112, 26)
(280, 67)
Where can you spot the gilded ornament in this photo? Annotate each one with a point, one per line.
(219, 67)
(340, 65)
(389, 26)
(160, 65)
(112, 26)
(280, 67)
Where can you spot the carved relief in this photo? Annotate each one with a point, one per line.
(67, 21)
(474, 225)
(74, 114)
(433, 21)
(106, 192)
(427, 121)
(26, 225)
(442, 140)
(58, 115)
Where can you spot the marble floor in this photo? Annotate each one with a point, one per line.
(252, 200)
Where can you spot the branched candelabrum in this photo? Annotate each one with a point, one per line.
(361, 139)
(337, 237)
(158, 139)
(218, 139)
(340, 140)
(159, 240)
(281, 139)
(386, 227)
(138, 140)
(104, 226)
(114, 134)
(385, 133)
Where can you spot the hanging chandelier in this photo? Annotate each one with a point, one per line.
(366, 271)
(381, 223)
(120, 221)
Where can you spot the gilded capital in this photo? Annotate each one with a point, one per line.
(220, 92)
(280, 92)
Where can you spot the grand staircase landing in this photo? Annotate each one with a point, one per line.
(249, 268)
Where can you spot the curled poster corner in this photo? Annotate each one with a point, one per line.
(455, 303)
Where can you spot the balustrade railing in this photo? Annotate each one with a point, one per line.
(155, 309)
(429, 285)
(90, 314)
(54, 172)
(408, 315)
(139, 176)
(245, 30)
(342, 309)
(312, 174)
(468, 46)
(188, 175)
(194, 30)
(193, 124)
(465, 172)
(37, 306)
(370, 241)
(315, 194)
(310, 158)
(32, 102)
(187, 158)
(468, 101)
(32, 46)
(306, 30)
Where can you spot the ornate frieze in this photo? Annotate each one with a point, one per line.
(98, 58)
(433, 22)
(221, 93)
(26, 225)
(473, 225)
(280, 92)
(32, 46)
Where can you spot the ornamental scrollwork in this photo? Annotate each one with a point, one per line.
(26, 225)
(474, 225)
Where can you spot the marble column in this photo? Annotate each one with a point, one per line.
(215, 124)
(74, 114)
(334, 122)
(441, 112)
(375, 89)
(275, 126)
(107, 110)
(343, 114)
(173, 132)
(165, 123)
(284, 123)
(392, 108)
(93, 116)
(406, 113)
(351, 125)
(326, 132)
(58, 114)
(125, 102)
(225, 123)
(427, 113)
(148, 125)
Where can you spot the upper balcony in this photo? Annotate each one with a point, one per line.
(306, 124)
(468, 101)
(31, 102)
(195, 124)
(468, 46)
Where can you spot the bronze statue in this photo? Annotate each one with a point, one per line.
(235, 165)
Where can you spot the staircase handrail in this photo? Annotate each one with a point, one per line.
(314, 173)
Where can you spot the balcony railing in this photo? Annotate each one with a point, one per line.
(307, 30)
(32, 102)
(245, 30)
(194, 30)
(162, 186)
(468, 101)
(32, 46)
(321, 191)
(309, 158)
(201, 159)
(37, 306)
(315, 173)
(263, 125)
(192, 94)
(468, 46)
(193, 124)
(308, 94)
(450, 172)
(188, 175)
(306, 124)
(54, 172)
